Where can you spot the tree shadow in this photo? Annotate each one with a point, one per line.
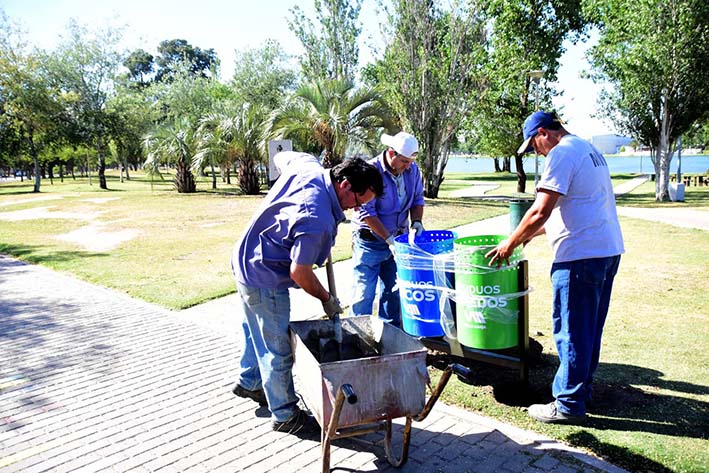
(617, 404)
(38, 254)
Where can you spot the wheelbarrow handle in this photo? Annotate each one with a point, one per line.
(349, 393)
(445, 376)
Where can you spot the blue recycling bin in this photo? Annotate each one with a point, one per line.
(418, 280)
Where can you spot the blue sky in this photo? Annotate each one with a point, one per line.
(238, 24)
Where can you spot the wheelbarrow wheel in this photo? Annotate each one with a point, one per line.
(393, 460)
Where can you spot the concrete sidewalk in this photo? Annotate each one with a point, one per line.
(92, 380)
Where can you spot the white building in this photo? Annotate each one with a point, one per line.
(610, 144)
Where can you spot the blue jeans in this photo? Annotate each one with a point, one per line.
(267, 359)
(582, 292)
(373, 262)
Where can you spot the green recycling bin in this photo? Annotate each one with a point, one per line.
(486, 297)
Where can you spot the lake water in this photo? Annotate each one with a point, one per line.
(617, 165)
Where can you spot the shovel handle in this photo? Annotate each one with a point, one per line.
(330, 276)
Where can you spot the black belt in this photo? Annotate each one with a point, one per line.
(366, 234)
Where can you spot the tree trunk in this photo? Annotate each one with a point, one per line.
(664, 157)
(248, 177)
(506, 165)
(214, 174)
(521, 175)
(101, 167)
(184, 180)
(497, 164)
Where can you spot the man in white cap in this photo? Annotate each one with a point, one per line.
(378, 222)
(575, 207)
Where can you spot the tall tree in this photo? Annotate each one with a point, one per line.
(526, 35)
(431, 74)
(655, 53)
(30, 108)
(332, 52)
(141, 66)
(174, 54)
(262, 76)
(330, 115)
(85, 66)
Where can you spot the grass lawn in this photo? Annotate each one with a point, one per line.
(179, 253)
(651, 397)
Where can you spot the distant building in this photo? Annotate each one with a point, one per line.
(610, 144)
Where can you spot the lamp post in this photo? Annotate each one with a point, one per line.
(536, 76)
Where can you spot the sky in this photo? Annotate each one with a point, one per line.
(228, 25)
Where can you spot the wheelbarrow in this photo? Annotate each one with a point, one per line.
(379, 371)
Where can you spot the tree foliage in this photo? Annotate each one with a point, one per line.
(329, 116)
(332, 52)
(655, 54)
(432, 75)
(526, 35)
(262, 76)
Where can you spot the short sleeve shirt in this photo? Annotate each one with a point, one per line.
(297, 222)
(584, 223)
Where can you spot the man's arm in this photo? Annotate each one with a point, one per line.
(377, 226)
(532, 225)
(416, 213)
(305, 277)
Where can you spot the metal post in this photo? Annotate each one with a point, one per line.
(679, 160)
(536, 77)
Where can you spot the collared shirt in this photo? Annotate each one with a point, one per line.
(393, 214)
(297, 222)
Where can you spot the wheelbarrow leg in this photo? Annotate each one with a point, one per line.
(393, 460)
(327, 434)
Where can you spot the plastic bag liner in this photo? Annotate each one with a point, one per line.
(467, 299)
(417, 280)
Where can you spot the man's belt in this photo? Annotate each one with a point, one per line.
(368, 235)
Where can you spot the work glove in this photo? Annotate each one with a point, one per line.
(417, 227)
(332, 306)
(392, 246)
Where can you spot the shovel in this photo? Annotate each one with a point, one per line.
(336, 318)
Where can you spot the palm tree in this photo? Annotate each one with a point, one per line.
(210, 143)
(172, 144)
(332, 115)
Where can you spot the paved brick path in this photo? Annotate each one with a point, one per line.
(92, 380)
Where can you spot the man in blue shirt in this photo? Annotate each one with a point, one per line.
(379, 221)
(294, 229)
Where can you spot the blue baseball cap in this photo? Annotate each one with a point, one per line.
(531, 127)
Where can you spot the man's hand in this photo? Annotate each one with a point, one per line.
(332, 306)
(500, 253)
(392, 246)
(417, 227)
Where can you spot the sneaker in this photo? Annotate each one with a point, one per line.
(300, 422)
(550, 414)
(257, 395)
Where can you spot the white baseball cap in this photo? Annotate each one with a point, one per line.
(403, 143)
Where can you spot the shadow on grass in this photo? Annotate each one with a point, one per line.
(37, 254)
(631, 460)
(692, 198)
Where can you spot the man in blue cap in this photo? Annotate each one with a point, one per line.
(575, 207)
(377, 223)
(294, 229)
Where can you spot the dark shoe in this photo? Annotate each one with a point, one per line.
(300, 423)
(550, 414)
(257, 395)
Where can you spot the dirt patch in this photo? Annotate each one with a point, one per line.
(46, 212)
(94, 238)
(100, 200)
(33, 199)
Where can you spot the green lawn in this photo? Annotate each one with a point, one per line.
(650, 411)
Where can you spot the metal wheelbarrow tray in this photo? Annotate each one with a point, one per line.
(380, 371)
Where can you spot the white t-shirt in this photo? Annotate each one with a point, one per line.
(584, 222)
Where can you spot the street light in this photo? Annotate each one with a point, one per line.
(536, 76)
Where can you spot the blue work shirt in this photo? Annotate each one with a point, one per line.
(297, 222)
(393, 214)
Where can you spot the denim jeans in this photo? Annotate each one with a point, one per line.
(582, 292)
(267, 359)
(372, 262)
